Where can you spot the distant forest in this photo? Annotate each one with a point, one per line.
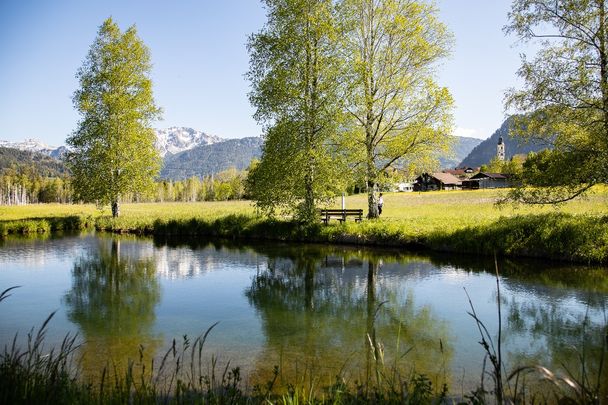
(31, 178)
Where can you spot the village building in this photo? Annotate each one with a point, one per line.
(437, 181)
(460, 173)
(405, 187)
(501, 149)
(470, 184)
(486, 180)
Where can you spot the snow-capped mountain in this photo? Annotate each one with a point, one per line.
(172, 140)
(32, 145)
(178, 139)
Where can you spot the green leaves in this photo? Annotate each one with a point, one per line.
(564, 97)
(345, 89)
(398, 113)
(293, 73)
(113, 149)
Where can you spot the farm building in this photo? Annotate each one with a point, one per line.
(437, 181)
(486, 180)
(405, 187)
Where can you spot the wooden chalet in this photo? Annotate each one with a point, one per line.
(437, 181)
(486, 180)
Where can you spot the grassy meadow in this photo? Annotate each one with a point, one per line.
(457, 221)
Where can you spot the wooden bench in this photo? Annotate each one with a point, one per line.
(341, 215)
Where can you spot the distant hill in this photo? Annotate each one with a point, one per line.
(462, 147)
(486, 150)
(188, 152)
(44, 164)
(204, 160)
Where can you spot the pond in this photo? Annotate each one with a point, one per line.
(312, 310)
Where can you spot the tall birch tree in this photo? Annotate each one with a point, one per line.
(112, 150)
(293, 74)
(564, 99)
(398, 112)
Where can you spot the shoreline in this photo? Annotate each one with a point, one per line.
(575, 238)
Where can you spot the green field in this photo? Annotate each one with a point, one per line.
(426, 211)
(461, 221)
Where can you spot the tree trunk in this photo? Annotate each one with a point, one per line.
(310, 91)
(372, 201)
(309, 283)
(603, 67)
(371, 342)
(308, 210)
(115, 209)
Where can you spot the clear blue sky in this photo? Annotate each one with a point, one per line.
(199, 56)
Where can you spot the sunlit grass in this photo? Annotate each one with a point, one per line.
(21, 212)
(457, 221)
(428, 210)
(150, 211)
(442, 210)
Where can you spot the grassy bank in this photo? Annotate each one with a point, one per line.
(458, 221)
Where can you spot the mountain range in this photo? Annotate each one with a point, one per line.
(462, 146)
(204, 160)
(174, 140)
(187, 152)
(486, 150)
(43, 163)
(36, 146)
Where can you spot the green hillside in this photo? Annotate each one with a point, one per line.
(486, 150)
(462, 147)
(209, 159)
(42, 164)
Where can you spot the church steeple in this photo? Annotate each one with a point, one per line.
(500, 149)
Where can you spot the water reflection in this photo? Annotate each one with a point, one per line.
(555, 315)
(575, 342)
(312, 310)
(112, 300)
(326, 312)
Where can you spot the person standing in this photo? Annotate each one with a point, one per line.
(380, 204)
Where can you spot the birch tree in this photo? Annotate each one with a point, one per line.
(112, 150)
(398, 112)
(564, 96)
(293, 74)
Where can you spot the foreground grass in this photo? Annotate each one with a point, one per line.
(455, 221)
(36, 375)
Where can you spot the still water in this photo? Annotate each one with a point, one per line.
(307, 309)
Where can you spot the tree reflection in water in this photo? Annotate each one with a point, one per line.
(327, 314)
(573, 344)
(112, 300)
(555, 317)
(338, 311)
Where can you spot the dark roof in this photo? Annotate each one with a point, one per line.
(495, 176)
